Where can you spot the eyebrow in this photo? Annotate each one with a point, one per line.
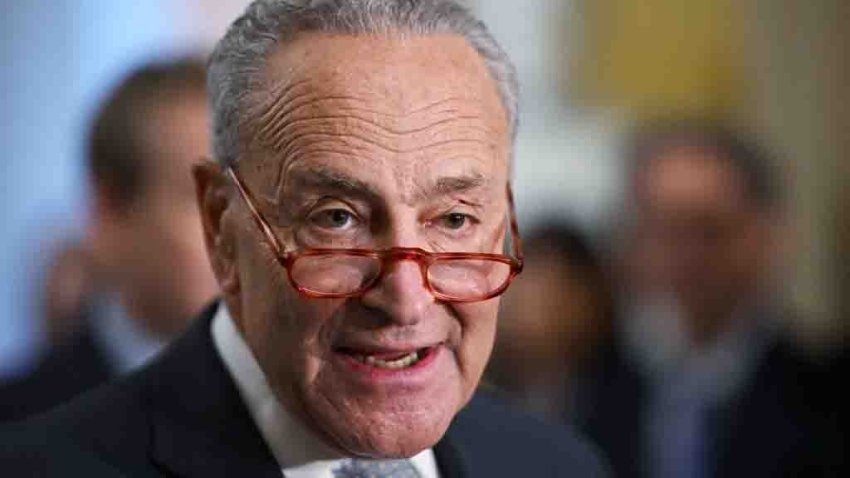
(454, 184)
(323, 178)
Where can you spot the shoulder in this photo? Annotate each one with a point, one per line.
(110, 415)
(97, 434)
(66, 371)
(183, 390)
(23, 452)
(490, 433)
(794, 374)
(108, 422)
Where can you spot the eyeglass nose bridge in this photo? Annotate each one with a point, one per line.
(396, 254)
(393, 255)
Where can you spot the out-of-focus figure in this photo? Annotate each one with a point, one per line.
(144, 242)
(68, 283)
(702, 378)
(553, 316)
(145, 233)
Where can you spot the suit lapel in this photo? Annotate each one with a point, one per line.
(761, 429)
(609, 420)
(199, 424)
(449, 455)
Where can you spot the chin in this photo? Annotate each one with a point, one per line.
(398, 437)
(396, 430)
(380, 412)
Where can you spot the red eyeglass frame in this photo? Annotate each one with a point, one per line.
(422, 257)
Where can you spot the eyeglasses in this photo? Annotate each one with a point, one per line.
(341, 273)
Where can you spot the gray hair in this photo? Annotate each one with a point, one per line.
(237, 63)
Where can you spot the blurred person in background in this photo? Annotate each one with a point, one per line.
(68, 283)
(146, 272)
(551, 320)
(703, 379)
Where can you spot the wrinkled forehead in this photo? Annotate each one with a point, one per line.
(403, 69)
(396, 99)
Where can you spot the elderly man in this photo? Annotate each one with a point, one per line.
(356, 218)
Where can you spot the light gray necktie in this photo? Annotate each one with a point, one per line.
(352, 468)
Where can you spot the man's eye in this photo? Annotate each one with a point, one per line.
(333, 219)
(455, 220)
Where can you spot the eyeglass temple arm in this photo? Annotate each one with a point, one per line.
(516, 242)
(255, 213)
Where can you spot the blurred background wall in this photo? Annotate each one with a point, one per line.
(800, 65)
(587, 67)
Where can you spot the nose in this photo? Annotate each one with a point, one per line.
(401, 293)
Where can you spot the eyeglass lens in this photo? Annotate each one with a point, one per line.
(344, 274)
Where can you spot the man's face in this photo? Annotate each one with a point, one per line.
(153, 249)
(370, 142)
(702, 237)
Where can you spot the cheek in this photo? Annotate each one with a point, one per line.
(265, 319)
(477, 333)
(310, 326)
(285, 330)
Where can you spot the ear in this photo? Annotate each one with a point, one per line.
(212, 191)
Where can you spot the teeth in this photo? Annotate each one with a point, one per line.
(402, 362)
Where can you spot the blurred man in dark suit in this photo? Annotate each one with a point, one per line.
(552, 320)
(703, 379)
(145, 265)
(360, 223)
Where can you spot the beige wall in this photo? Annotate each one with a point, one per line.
(799, 60)
(840, 113)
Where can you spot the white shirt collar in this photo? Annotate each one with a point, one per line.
(297, 450)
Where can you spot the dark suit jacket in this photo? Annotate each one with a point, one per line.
(782, 423)
(182, 416)
(63, 373)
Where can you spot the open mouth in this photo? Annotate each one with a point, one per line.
(389, 360)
